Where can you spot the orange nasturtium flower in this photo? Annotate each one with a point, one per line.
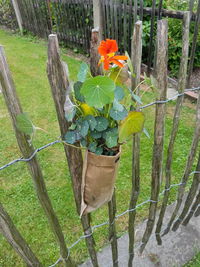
(107, 50)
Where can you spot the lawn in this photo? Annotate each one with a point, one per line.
(27, 60)
(195, 262)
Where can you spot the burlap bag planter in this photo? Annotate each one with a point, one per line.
(98, 179)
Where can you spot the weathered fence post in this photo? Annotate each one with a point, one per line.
(190, 197)
(136, 56)
(94, 55)
(59, 83)
(112, 208)
(18, 15)
(194, 209)
(181, 87)
(190, 160)
(14, 238)
(161, 76)
(97, 17)
(194, 43)
(27, 150)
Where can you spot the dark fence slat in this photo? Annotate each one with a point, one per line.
(115, 10)
(181, 86)
(160, 9)
(14, 238)
(191, 5)
(14, 108)
(135, 10)
(141, 10)
(130, 24)
(161, 76)
(194, 44)
(124, 38)
(150, 50)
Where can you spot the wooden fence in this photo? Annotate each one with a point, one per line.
(72, 21)
(59, 84)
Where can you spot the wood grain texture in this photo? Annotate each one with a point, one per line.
(94, 54)
(190, 160)
(161, 76)
(190, 197)
(59, 84)
(136, 56)
(193, 210)
(14, 108)
(14, 238)
(112, 208)
(182, 79)
(194, 43)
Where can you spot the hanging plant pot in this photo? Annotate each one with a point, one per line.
(98, 179)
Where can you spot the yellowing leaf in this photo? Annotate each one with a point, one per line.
(132, 124)
(87, 110)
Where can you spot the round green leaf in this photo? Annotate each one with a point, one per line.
(84, 128)
(119, 93)
(117, 106)
(99, 151)
(96, 134)
(98, 91)
(92, 147)
(102, 124)
(112, 137)
(92, 121)
(118, 115)
(70, 137)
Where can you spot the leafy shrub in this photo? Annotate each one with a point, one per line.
(175, 36)
(7, 16)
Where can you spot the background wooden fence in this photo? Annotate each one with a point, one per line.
(59, 84)
(72, 21)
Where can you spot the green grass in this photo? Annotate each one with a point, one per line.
(27, 61)
(195, 262)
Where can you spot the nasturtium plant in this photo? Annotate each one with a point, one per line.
(103, 120)
(102, 112)
(98, 91)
